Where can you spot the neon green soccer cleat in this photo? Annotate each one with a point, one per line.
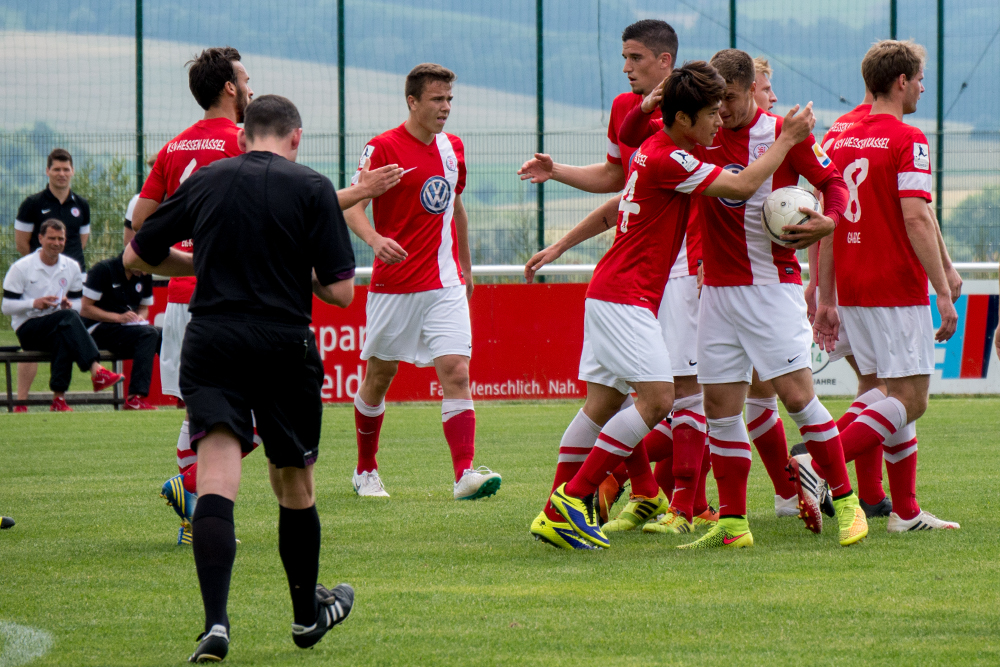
(581, 514)
(637, 512)
(671, 522)
(726, 534)
(851, 519)
(557, 533)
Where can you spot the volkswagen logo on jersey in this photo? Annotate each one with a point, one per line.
(435, 195)
(733, 203)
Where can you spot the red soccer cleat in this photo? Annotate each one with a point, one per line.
(138, 403)
(105, 378)
(59, 405)
(20, 408)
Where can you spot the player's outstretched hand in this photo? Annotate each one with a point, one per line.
(539, 260)
(651, 101)
(949, 320)
(388, 251)
(810, 231)
(798, 124)
(826, 327)
(378, 181)
(538, 168)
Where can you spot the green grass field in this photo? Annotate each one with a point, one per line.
(92, 563)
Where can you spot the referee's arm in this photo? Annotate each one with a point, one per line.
(151, 251)
(331, 254)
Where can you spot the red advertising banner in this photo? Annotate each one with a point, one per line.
(526, 342)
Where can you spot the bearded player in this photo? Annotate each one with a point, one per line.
(883, 257)
(418, 301)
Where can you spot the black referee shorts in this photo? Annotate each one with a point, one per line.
(231, 366)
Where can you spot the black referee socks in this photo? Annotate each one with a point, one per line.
(298, 545)
(214, 543)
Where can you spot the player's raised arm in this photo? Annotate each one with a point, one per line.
(599, 220)
(597, 178)
(370, 184)
(920, 230)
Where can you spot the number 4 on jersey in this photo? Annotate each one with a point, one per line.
(626, 206)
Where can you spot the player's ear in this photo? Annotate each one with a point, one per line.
(241, 140)
(666, 60)
(296, 138)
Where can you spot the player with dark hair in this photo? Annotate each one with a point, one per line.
(882, 258)
(624, 344)
(263, 214)
(418, 299)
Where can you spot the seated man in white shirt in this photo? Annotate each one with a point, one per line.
(42, 294)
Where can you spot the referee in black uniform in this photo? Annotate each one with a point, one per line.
(268, 234)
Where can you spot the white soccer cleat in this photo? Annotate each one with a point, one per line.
(479, 483)
(811, 490)
(786, 506)
(369, 484)
(923, 521)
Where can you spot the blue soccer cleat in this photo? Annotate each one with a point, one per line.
(179, 498)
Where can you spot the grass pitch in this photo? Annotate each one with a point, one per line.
(92, 564)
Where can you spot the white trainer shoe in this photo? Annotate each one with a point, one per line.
(923, 521)
(479, 483)
(369, 484)
(811, 490)
(786, 506)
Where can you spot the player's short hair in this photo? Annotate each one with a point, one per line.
(690, 89)
(736, 67)
(422, 74)
(271, 115)
(887, 59)
(657, 36)
(51, 223)
(60, 154)
(208, 73)
(761, 66)
(151, 160)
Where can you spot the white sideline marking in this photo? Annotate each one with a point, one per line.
(22, 644)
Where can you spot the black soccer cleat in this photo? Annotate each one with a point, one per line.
(798, 449)
(213, 645)
(826, 505)
(881, 508)
(6, 522)
(334, 607)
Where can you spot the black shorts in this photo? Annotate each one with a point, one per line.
(231, 366)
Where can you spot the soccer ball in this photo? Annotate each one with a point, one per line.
(781, 209)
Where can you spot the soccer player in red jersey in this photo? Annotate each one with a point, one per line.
(883, 256)
(418, 301)
(624, 344)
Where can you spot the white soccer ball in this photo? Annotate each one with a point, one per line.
(781, 209)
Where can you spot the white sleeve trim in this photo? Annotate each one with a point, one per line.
(23, 226)
(614, 150)
(914, 180)
(92, 294)
(85, 229)
(131, 207)
(695, 179)
(148, 301)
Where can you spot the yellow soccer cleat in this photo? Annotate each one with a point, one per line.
(581, 514)
(851, 519)
(671, 522)
(726, 534)
(637, 512)
(557, 533)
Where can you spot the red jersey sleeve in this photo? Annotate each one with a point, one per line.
(808, 159)
(637, 126)
(155, 187)
(913, 159)
(459, 149)
(684, 173)
(614, 152)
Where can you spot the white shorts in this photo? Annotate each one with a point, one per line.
(752, 326)
(622, 345)
(175, 321)
(418, 327)
(891, 342)
(678, 318)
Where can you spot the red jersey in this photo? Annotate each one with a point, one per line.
(418, 213)
(618, 151)
(883, 160)
(844, 123)
(652, 219)
(740, 253)
(203, 143)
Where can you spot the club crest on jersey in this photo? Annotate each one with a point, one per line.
(63, 283)
(435, 195)
(921, 156)
(733, 203)
(758, 151)
(821, 156)
(365, 154)
(75, 211)
(685, 159)
(450, 163)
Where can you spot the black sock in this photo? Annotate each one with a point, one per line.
(214, 544)
(298, 544)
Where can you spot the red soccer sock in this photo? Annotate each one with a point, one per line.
(730, 447)
(619, 437)
(575, 445)
(822, 440)
(593, 471)
(901, 462)
(700, 498)
(664, 475)
(639, 471)
(689, 450)
(367, 426)
(190, 478)
(768, 435)
(868, 464)
(185, 455)
(879, 421)
(659, 442)
(460, 432)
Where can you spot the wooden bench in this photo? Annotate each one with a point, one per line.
(13, 355)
